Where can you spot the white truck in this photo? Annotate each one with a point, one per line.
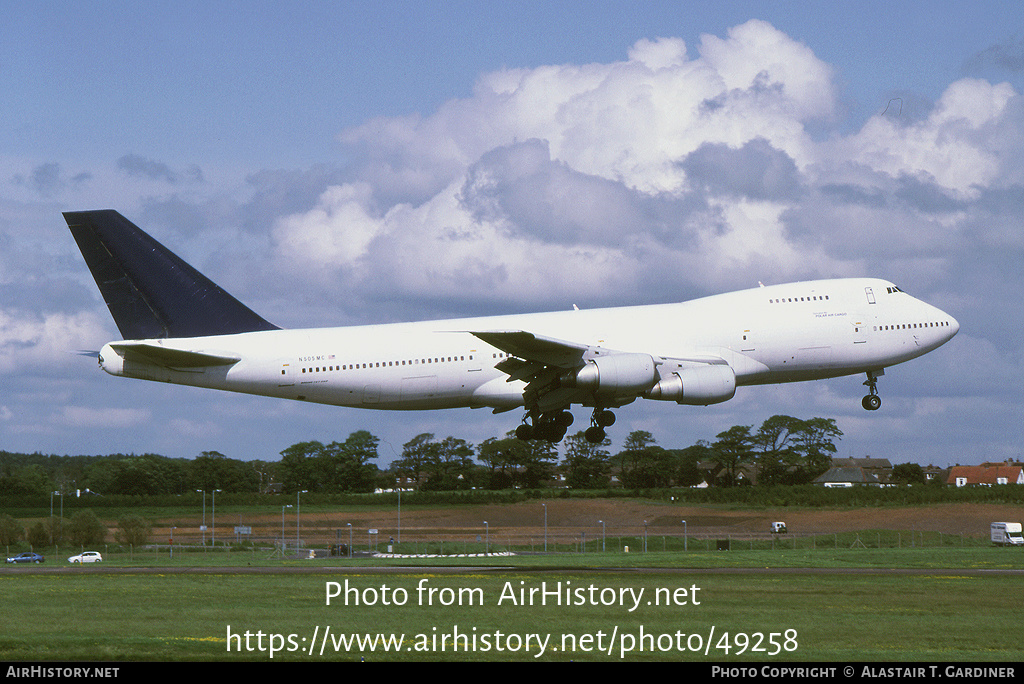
(1007, 534)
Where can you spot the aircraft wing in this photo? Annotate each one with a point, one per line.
(536, 348)
(559, 373)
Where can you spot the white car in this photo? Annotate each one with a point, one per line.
(86, 557)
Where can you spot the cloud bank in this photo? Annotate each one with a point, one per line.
(663, 176)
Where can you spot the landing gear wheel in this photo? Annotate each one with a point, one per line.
(595, 434)
(604, 418)
(872, 401)
(550, 426)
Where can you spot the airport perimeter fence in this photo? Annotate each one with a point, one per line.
(267, 540)
(559, 540)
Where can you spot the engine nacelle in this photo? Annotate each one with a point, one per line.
(697, 385)
(615, 374)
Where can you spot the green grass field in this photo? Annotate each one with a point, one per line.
(603, 607)
(868, 595)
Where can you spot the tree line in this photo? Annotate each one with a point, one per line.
(783, 450)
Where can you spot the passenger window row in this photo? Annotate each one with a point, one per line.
(789, 300)
(386, 364)
(912, 326)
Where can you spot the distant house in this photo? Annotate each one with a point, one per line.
(856, 472)
(985, 475)
(933, 472)
(850, 476)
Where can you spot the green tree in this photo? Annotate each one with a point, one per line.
(451, 465)
(586, 465)
(85, 529)
(350, 463)
(38, 536)
(688, 464)
(794, 451)
(733, 451)
(133, 530)
(643, 463)
(908, 473)
(17, 480)
(11, 531)
(299, 468)
(213, 470)
(417, 453)
(501, 457)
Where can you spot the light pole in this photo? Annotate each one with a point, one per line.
(51, 516)
(602, 535)
(487, 537)
(545, 527)
(213, 520)
(349, 539)
(297, 495)
(204, 515)
(282, 522)
(645, 536)
(684, 536)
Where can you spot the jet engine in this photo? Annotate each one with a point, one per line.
(615, 374)
(696, 385)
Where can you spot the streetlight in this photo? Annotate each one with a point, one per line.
(204, 515)
(51, 513)
(213, 520)
(487, 538)
(282, 522)
(545, 527)
(645, 536)
(349, 539)
(602, 535)
(684, 536)
(297, 495)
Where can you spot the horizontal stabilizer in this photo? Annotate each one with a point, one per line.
(172, 358)
(151, 292)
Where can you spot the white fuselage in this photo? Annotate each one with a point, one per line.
(775, 334)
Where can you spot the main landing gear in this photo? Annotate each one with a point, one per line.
(553, 425)
(550, 426)
(872, 401)
(601, 419)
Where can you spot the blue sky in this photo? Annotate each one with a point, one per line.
(340, 163)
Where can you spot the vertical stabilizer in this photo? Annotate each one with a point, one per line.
(150, 291)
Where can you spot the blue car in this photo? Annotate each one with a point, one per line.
(27, 557)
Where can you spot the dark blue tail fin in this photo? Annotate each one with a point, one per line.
(152, 293)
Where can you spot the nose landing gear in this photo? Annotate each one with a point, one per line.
(872, 401)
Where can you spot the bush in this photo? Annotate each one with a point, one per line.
(85, 529)
(11, 531)
(133, 530)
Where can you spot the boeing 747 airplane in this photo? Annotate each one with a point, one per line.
(179, 327)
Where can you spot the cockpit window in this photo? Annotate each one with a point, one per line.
(893, 289)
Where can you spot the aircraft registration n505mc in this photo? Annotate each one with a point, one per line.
(180, 327)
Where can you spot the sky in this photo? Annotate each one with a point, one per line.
(340, 163)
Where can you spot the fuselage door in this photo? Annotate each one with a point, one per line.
(286, 379)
